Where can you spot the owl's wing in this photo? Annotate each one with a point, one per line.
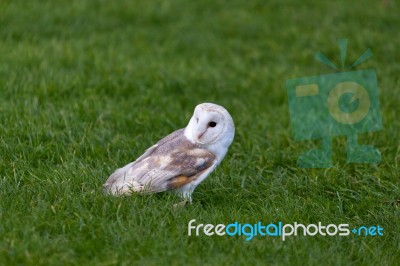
(170, 138)
(170, 164)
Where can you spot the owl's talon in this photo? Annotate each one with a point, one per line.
(181, 204)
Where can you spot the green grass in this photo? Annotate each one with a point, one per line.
(87, 86)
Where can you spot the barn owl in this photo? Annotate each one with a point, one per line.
(180, 161)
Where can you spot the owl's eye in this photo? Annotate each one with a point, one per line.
(212, 124)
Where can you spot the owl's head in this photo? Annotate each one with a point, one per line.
(210, 124)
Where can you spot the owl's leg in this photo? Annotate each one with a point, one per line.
(186, 194)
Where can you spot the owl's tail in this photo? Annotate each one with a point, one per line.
(120, 184)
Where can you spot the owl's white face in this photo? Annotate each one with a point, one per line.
(210, 124)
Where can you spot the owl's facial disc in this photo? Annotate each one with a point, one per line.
(209, 126)
(212, 127)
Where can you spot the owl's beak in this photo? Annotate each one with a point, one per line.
(200, 135)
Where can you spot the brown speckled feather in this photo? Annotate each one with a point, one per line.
(170, 164)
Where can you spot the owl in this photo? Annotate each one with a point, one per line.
(180, 161)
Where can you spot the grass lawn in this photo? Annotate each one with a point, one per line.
(87, 86)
